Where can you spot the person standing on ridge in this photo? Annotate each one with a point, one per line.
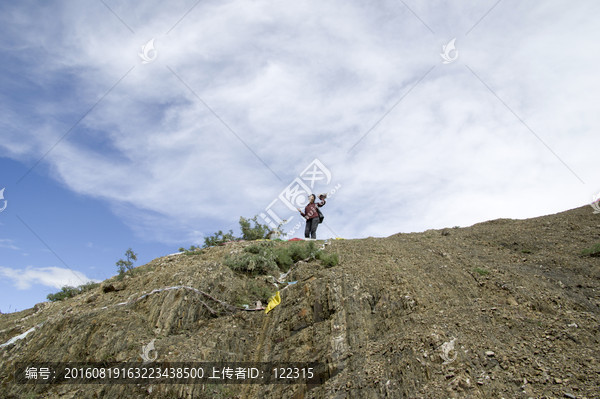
(312, 215)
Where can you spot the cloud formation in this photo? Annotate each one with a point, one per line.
(8, 243)
(242, 96)
(55, 277)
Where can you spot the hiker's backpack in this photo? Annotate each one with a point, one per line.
(321, 217)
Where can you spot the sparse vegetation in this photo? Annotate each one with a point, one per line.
(252, 229)
(258, 247)
(466, 302)
(255, 290)
(592, 251)
(303, 251)
(265, 258)
(124, 266)
(256, 259)
(192, 248)
(70, 292)
(283, 259)
(64, 293)
(219, 238)
(261, 291)
(328, 260)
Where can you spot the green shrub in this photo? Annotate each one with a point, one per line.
(251, 230)
(64, 293)
(254, 290)
(259, 247)
(126, 265)
(260, 291)
(328, 260)
(303, 251)
(283, 259)
(256, 231)
(251, 263)
(256, 259)
(87, 287)
(266, 258)
(69, 292)
(192, 248)
(219, 238)
(481, 272)
(592, 251)
(311, 251)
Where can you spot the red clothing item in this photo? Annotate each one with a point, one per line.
(310, 212)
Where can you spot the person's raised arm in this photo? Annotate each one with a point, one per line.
(322, 198)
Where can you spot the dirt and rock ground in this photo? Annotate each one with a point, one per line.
(501, 309)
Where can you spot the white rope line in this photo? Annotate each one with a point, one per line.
(185, 287)
(155, 291)
(20, 336)
(281, 280)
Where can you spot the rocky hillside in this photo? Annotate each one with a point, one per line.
(505, 308)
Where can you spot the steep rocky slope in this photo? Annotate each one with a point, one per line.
(505, 308)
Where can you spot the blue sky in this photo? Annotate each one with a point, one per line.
(107, 143)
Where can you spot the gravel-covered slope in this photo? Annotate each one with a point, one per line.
(505, 308)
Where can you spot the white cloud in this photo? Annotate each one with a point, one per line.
(56, 277)
(295, 81)
(8, 243)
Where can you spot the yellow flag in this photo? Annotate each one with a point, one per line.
(273, 301)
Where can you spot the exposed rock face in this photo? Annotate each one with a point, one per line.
(501, 309)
